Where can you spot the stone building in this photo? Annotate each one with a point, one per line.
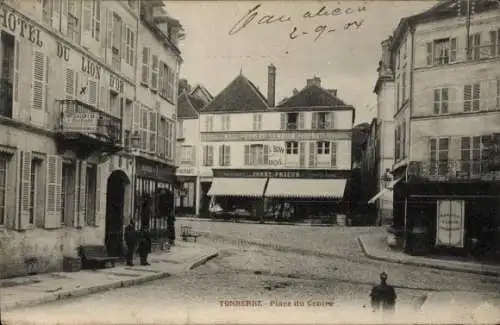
(77, 121)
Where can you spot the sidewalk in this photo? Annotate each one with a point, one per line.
(375, 246)
(43, 288)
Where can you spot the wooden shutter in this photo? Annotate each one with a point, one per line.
(154, 72)
(314, 120)
(38, 81)
(16, 71)
(56, 16)
(136, 118)
(82, 195)
(312, 154)
(301, 121)
(210, 155)
(453, 49)
(484, 95)
(247, 154)
(331, 120)
(302, 154)
(266, 154)
(476, 95)
(333, 154)
(283, 121)
(92, 90)
(100, 202)
(145, 66)
(74, 221)
(123, 47)
(70, 83)
(87, 22)
(109, 28)
(227, 153)
(53, 192)
(221, 155)
(452, 100)
(205, 155)
(64, 17)
(25, 189)
(428, 53)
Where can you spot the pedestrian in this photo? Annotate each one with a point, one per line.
(130, 240)
(144, 247)
(383, 295)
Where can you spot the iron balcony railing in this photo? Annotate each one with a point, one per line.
(449, 170)
(5, 98)
(79, 117)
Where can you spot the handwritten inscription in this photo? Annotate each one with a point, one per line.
(19, 25)
(256, 17)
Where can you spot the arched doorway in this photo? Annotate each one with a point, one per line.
(115, 202)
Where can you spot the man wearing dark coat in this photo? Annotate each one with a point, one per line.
(144, 247)
(383, 295)
(131, 241)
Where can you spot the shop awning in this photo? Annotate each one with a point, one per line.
(386, 189)
(305, 188)
(252, 187)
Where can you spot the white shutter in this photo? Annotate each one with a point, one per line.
(86, 22)
(76, 197)
(16, 71)
(64, 17)
(82, 193)
(154, 72)
(100, 201)
(109, 29)
(56, 14)
(331, 117)
(333, 153)
(145, 66)
(53, 194)
(300, 124)
(453, 102)
(70, 83)
(302, 154)
(38, 81)
(93, 88)
(25, 189)
(484, 95)
(312, 155)
(123, 47)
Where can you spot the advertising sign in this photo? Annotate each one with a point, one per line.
(277, 155)
(450, 223)
(81, 122)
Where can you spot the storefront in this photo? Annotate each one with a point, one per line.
(186, 191)
(154, 196)
(280, 194)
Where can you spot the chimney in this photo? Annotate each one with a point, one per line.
(271, 85)
(333, 92)
(386, 54)
(295, 91)
(316, 81)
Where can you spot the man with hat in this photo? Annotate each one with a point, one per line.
(383, 295)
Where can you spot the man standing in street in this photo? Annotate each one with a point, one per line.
(144, 247)
(130, 240)
(383, 295)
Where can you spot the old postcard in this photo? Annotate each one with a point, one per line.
(249, 162)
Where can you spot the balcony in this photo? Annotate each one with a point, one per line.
(452, 171)
(5, 98)
(87, 130)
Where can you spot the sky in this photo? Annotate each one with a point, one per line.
(341, 44)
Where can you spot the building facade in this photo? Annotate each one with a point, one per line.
(447, 96)
(288, 160)
(68, 100)
(189, 103)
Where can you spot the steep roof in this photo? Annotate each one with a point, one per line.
(312, 96)
(445, 9)
(203, 90)
(188, 106)
(240, 95)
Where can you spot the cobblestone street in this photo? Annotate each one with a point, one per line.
(255, 273)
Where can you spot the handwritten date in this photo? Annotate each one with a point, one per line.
(319, 31)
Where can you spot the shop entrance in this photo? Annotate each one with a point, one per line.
(115, 202)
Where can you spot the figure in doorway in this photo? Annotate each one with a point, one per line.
(130, 240)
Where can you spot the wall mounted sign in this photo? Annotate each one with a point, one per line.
(450, 223)
(154, 171)
(185, 170)
(276, 155)
(297, 135)
(63, 51)
(91, 68)
(22, 27)
(281, 173)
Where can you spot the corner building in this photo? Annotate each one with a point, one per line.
(290, 160)
(72, 107)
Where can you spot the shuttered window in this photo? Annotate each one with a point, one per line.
(224, 155)
(472, 97)
(25, 158)
(39, 81)
(154, 72)
(145, 66)
(4, 161)
(153, 131)
(207, 155)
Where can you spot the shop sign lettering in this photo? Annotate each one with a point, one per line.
(91, 68)
(276, 155)
(185, 170)
(63, 51)
(15, 24)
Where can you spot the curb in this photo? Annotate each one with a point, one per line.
(86, 291)
(102, 288)
(424, 264)
(258, 223)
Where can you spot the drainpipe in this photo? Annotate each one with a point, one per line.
(134, 164)
(410, 104)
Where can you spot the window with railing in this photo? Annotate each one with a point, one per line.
(442, 51)
(439, 153)
(495, 43)
(474, 52)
